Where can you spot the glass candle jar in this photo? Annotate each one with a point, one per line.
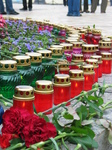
(43, 96)
(62, 88)
(77, 82)
(24, 98)
(94, 62)
(105, 45)
(82, 34)
(88, 50)
(88, 76)
(24, 68)
(77, 47)
(48, 64)
(106, 66)
(62, 34)
(63, 67)
(9, 78)
(68, 48)
(56, 52)
(96, 36)
(88, 36)
(77, 59)
(36, 65)
(99, 58)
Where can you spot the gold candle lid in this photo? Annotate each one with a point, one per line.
(74, 36)
(76, 74)
(77, 58)
(56, 51)
(88, 48)
(35, 57)
(63, 65)
(57, 46)
(93, 62)
(96, 32)
(8, 65)
(89, 30)
(44, 86)
(67, 46)
(106, 56)
(71, 40)
(77, 44)
(62, 80)
(98, 57)
(22, 60)
(23, 92)
(88, 69)
(105, 44)
(45, 53)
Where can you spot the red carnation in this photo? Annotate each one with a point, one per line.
(14, 120)
(38, 130)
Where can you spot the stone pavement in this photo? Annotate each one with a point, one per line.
(57, 14)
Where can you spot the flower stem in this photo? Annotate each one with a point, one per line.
(77, 147)
(19, 145)
(40, 144)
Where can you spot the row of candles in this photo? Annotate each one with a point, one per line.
(65, 86)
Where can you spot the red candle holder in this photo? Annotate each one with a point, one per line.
(63, 67)
(88, 50)
(77, 59)
(88, 76)
(43, 96)
(96, 36)
(68, 47)
(106, 66)
(77, 82)
(24, 97)
(82, 34)
(77, 47)
(94, 62)
(62, 88)
(105, 45)
(88, 36)
(99, 58)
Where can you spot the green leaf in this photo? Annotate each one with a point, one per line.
(110, 136)
(93, 105)
(86, 122)
(56, 146)
(83, 110)
(15, 141)
(73, 113)
(68, 116)
(94, 26)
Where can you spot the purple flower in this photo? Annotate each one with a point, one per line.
(10, 48)
(15, 42)
(50, 40)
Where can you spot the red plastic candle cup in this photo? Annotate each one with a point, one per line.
(88, 36)
(77, 47)
(77, 82)
(62, 88)
(99, 58)
(106, 66)
(88, 50)
(24, 98)
(88, 77)
(77, 59)
(105, 45)
(43, 96)
(63, 68)
(96, 36)
(94, 62)
(68, 48)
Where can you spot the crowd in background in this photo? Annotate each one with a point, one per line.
(75, 6)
